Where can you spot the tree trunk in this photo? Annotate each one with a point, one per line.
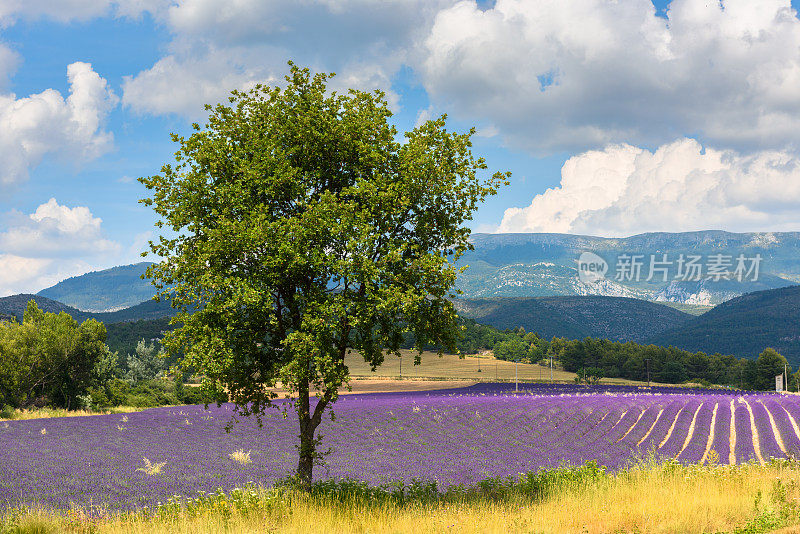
(305, 465)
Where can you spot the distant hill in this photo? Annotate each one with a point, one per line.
(744, 326)
(615, 318)
(15, 306)
(533, 265)
(103, 291)
(146, 310)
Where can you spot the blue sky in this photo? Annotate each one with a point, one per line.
(614, 118)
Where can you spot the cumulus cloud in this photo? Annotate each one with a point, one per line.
(56, 230)
(46, 123)
(50, 244)
(220, 46)
(681, 186)
(555, 75)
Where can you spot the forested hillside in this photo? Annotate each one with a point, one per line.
(15, 306)
(614, 318)
(123, 337)
(744, 326)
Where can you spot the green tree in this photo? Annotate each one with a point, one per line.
(511, 349)
(769, 364)
(146, 363)
(672, 373)
(303, 228)
(50, 359)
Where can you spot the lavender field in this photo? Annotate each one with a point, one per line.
(454, 437)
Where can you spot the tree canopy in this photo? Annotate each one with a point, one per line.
(301, 228)
(49, 359)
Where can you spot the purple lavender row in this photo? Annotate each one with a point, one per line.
(792, 406)
(604, 448)
(643, 426)
(722, 431)
(766, 436)
(790, 439)
(675, 441)
(672, 407)
(565, 453)
(698, 442)
(745, 451)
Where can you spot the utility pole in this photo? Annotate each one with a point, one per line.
(648, 371)
(785, 378)
(401, 366)
(551, 368)
(516, 375)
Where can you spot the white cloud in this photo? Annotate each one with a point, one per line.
(54, 230)
(62, 11)
(555, 74)
(220, 46)
(624, 190)
(52, 243)
(183, 85)
(8, 63)
(31, 275)
(75, 10)
(46, 123)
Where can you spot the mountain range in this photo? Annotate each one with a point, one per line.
(533, 265)
(532, 281)
(543, 265)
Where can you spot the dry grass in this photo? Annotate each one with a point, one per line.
(240, 456)
(45, 413)
(151, 468)
(482, 367)
(652, 499)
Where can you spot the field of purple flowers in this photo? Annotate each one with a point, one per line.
(453, 437)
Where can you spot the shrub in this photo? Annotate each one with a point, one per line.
(197, 395)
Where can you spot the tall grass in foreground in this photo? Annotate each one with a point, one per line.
(11, 414)
(664, 497)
